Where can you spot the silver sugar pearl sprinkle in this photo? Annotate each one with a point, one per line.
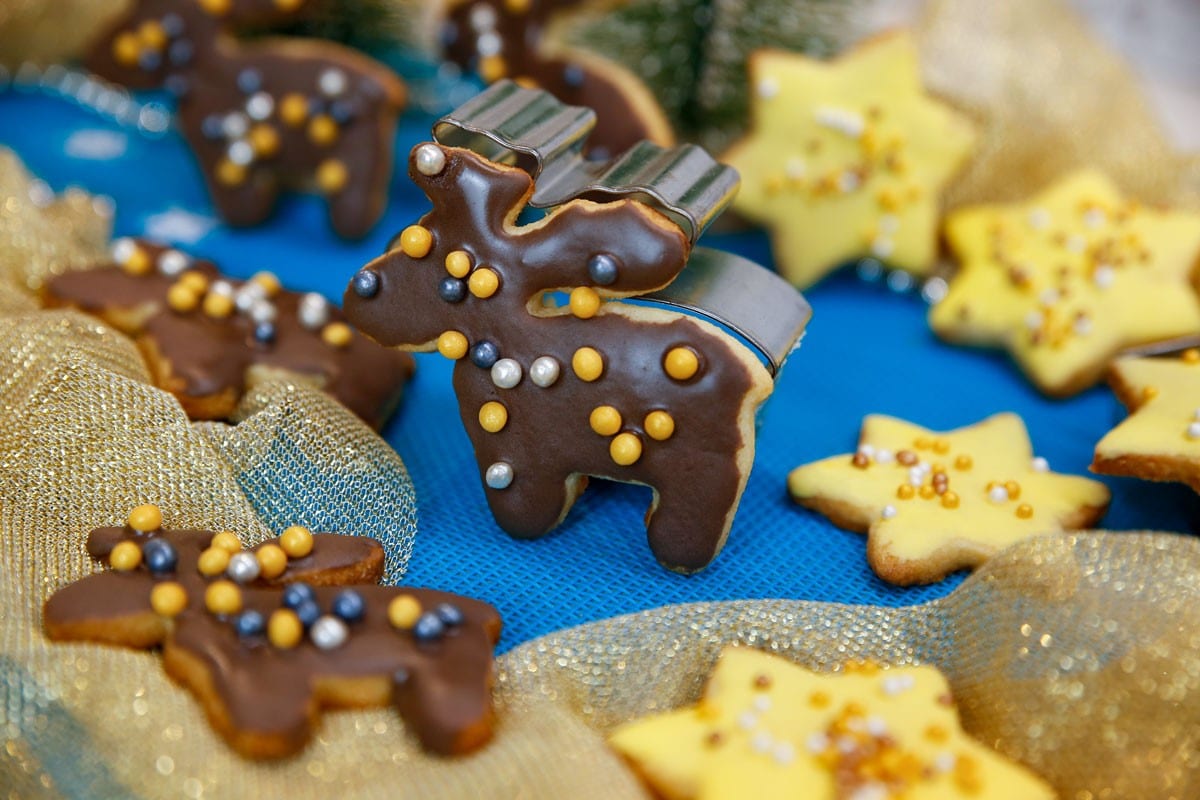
(431, 159)
(544, 371)
(259, 106)
(313, 311)
(263, 311)
(332, 82)
(123, 249)
(506, 373)
(499, 475)
(235, 125)
(243, 567)
(173, 262)
(247, 295)
(328, 632)
(223, 288)
(241, 153)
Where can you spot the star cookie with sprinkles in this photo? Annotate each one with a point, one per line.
(768, 728)
(1068, 279)
(931, 503)
(266, 637)
(847, 158)
(207, 337)
(1160, 440)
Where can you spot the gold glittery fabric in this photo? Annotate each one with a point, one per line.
(1050, 98)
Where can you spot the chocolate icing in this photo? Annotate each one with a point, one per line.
(267, 696)
(208, 356)
(698, 473)
(620, 121)
(207, 83)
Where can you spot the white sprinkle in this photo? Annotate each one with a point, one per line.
(768, 88)
(263, 311)
(499, 475)
(506, 373)
(1039, 464)
(1076, 243)
(1193, 430)
(1196, 414)
(761, 742)
(483, 17)
(488, 44)
(247, 295)
(846, 744)
(1082, 326)
(893, 685)
(866, 450)
(1104, 276)
(924, 467)
(313, 311)
(889, 223)
(882, 247)
(240, 153)
(935, 290)
(884, 456)
(1039, 219)
(795, 168)
(915, 476)
(235, 125)
(223, 288)
(430, 158)
(762, 703)
(877, 726)
(328, 632)
(747, 720)
(259, 106)
(899, 281)
(784, 753)
(944, 761)
(332, 82)
(1049, 297)
(1094, 218)
(243, 567)
(123, 249)
(998, 494)
(848, 181)
(544, 371)
(888, 512)
(173, 262)
(1033, 320)
(842, 120)
(817, 742)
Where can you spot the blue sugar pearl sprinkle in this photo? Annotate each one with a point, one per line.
(449, 614)
(149, 60)
(297, 594)
(172, 24)
(249, 623)
(484, 355)
(429, 627)
(212, 127)
(264, 332)
(308, 612)
(341, 111)
(365, 283)
(602, 268)
(249, 81)
(177, 85)
(452, 290)
(349, 605)
(573, 75)
(160, 556)
(181, 52)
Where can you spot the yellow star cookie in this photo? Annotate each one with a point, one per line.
(1070, 278)
(767, 729)
(1160, 441)
(931, 503)
(847, 158)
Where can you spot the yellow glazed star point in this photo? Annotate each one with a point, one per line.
(931, 503)
(847, 158)
(1160, 440)
(1070, 278)
(769, 729)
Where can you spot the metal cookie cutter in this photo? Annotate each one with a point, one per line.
(532, 130)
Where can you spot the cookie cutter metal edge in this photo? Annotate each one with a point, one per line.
(534, 131)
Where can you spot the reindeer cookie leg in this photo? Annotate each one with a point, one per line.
(689, 520)
(355, 186)
(527, 499)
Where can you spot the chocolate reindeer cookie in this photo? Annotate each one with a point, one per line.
(267, 637)
(265, 115)
(552, 394)
(206, 337)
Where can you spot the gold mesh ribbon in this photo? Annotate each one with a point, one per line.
(1049, 98)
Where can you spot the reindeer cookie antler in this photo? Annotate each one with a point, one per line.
(265, 637)
(551, 395)
(265, 115)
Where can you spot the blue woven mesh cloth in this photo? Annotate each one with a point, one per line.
(868, 350)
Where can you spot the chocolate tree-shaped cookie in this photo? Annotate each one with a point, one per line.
(206, 336)
(267, 114)
(552, 394)
(267, 637)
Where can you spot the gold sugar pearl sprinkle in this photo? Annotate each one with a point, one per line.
(137, 263)
(950, 500)
(322, 130)
(217, 306)
(182, 298)
(152, 34)
(296, 541)
(293, 109)
(337, 334)
(194, 280)
(587, 364)
(905, 492)
(332, 176)
(1013, 488)
(605, 420)
(452, 345)
(265, 140)
(284, 629)
(681, 363)
(213, 561)
(145, 518)
(927, 492)
(168, 599)
(1191, 356)
(229, 173)
(659, 425)
(268, 281)
(963, 462)
(492, 68)
(483, 282)
(403, 611)
(126, 49)
(272, 561)
(126, 556)
(1149, 393)
(1024, 511)
(223, 597)
(416, 241)
(584, 302)
(860, 460)
(493, 416)
(922, 443)
(227, 541)
(625, 449)
(458, 263)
